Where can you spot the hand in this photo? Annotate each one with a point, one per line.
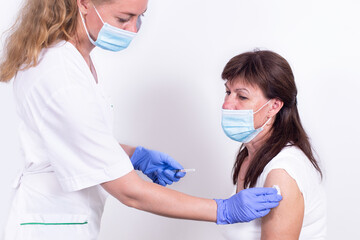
(247, 205)
(158, 166)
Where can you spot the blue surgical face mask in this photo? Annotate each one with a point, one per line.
(239, 124)
(111, 38)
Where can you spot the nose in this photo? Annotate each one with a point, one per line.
(132, 26)
(229, 103)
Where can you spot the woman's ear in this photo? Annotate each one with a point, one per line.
(276, 105)
(84, 6)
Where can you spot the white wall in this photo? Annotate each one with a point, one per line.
(168, 93)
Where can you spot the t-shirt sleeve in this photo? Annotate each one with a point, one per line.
(79, 141)
(294, 164)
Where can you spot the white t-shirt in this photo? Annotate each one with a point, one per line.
(66, 121)
(298, 166)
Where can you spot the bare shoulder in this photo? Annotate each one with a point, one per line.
(284, 221)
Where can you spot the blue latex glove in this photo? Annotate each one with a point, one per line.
(158, 166)
(247, 205)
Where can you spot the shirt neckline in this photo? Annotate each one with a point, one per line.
(82, 62)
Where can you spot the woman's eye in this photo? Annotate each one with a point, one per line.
(122, 20)
(242, 97)
(227, 92)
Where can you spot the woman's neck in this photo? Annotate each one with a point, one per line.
(257, 142)
(84, 46)
(82, 43)
(252, 147)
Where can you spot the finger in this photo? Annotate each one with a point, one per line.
(176, 179)
(163, 174)
(172, 163)
(262, 191)
(164, 178)
(268, 205)
(269, 198)
(160, 182)
(174, 175)
(263, 213)
(180, 175)
(169, 174)
(274, 198)
(167, 181)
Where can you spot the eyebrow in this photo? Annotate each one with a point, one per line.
(132, 14)
(237, 89)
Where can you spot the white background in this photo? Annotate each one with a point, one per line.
(168, 93)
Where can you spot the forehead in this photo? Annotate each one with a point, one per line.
(135, 7)
(242, 83)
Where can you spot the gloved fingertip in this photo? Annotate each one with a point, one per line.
(169, 173)
(274, 198)
(168, 181)
(175, 179)
(263, 213)
(262, 191)
(160, 182)
(165, 179)
(168, 176)
(274, 205)
(180, 174)
(271, 191)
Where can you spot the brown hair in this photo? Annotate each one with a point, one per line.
(273, 75)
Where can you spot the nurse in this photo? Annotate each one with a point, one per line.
(72, 160)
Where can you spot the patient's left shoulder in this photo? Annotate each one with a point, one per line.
(284, 221)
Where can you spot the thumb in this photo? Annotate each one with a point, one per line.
(172, 163)
(262, 213)
(262, 191)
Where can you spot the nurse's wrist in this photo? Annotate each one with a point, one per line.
(220, 212)
(137, 158)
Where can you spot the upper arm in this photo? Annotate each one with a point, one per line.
(284, 221)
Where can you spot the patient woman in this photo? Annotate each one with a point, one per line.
(260, 111)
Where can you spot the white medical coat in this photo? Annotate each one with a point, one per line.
(68, 149)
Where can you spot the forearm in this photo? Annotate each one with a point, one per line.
(161, 201)
(170, 203)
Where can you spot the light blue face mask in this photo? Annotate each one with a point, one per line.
(239, 124)
(111, 38)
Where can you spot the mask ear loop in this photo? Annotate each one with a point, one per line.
(98, 14)
(262, 127)
(266, 123)
(263, 106)
(87, 33)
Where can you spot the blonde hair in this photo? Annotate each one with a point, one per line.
(40, 24)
